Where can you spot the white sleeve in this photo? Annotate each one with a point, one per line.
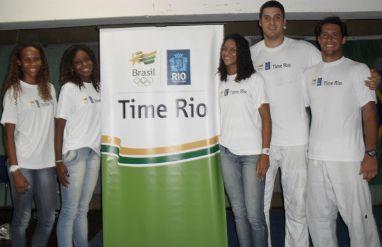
(305, 94)
(66, 101)
(260, 95)
(313, 54)
(363, 93)
(9, 108)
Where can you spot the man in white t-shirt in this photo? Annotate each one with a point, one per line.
(282, 61)
(342, 143)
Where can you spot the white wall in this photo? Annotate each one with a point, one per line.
(56, 13)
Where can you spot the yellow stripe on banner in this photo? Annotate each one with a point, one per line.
(159, 150)
(111, 140)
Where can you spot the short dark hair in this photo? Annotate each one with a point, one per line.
(331, 20)
(244, 61)
(272, 4)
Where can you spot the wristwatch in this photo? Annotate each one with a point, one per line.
(265, 151)
(13, 168)
(372, 153)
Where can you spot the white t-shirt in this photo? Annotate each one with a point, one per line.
(282, 68)
(336, 92)
(81, 108)
(34, 120)
(240, 120)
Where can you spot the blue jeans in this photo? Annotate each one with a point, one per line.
(83, 167)
(246, 194)
(43, 189)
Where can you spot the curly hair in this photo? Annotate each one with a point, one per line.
(244, 61)
(15, 74)
(67, 73)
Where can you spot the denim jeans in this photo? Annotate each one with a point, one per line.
(43, 189)
(83, 167)
(246, 194)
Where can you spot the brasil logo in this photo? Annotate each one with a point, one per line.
(145, 58)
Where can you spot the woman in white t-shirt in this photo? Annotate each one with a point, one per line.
(77, 142)
(28, 117)
(244, 140)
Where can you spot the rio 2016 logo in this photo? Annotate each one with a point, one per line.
(178, 67)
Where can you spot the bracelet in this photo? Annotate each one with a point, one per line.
(58, 161)
(265, 151)
(13, 168)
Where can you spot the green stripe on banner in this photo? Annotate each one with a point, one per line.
(164, 206)
(158, 159)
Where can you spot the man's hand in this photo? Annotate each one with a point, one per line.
(20, 182)
(62, 174)
(369, 167)
(262, 166)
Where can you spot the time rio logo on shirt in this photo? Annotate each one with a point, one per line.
(267, 65)
(227, 92)
(321, 82)
(92, 100)
(271, 66)
(39, 103)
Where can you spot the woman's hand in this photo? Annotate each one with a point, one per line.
(262, 166)
(62, 174)
(20, 182)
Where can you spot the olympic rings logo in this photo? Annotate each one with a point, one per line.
(143, 81)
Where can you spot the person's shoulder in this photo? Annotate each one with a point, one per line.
(302, 44)
(69, 86)
(356, 68)
(9, 90)
(257, 46)
(51, 87)
(354, 63)
(314, 68)
(256, 79)
(9, 94)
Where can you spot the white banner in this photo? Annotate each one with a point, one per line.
(159, 93)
